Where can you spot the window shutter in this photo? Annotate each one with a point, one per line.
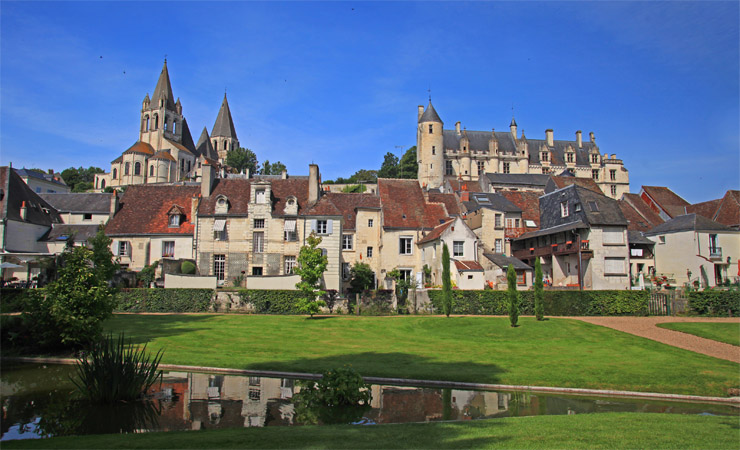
(329, 226)
(116, 247)
(313, 225)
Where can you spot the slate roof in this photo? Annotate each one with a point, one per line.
(62, 232)
(503, 261)
(468, 266)
(436, 232)
(430, 114)
(558, 182)
(141, 148)
(179, 146)
(144, 210)
(449, 200)
(224, 126)
(205, 147)
(595, 208)
(478, 140)
(494, 201)
(528, 202)
(554, 229)
(668, 200)
(14, 192)
(636, 237)
(640, 216)
(688, 222)
(163, 89)
(404, 206)
(79, 203)
(51, 178)
(534, 180)
(187, 138)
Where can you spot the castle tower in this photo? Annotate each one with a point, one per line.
(430, 148)
(161, 116)
(223, 134)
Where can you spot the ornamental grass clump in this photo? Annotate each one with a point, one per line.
(115, 371)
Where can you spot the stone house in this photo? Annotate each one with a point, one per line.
(496, 267)
(495, 220)
(462, 243)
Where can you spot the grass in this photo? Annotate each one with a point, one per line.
(556, 352)
(589, 431)
(726, 332)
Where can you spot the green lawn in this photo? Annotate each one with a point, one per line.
(556, 352)
(726, 332)
(589, 431)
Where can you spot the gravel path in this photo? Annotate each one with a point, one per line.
(647, 327)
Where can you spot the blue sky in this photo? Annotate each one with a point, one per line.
(338, 83)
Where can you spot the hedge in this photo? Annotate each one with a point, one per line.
(271, 301)
(715, 303)
(11, 299)
(163, 300)
(557, 303)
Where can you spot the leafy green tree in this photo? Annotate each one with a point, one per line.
(362, 277)
(389, 168)
(147, 274)
(71, 312)
(242, 158)
(311, 267)
(80, 179)
(102, 257)
(539, 291)
(408, 167)
(446, 281)
(513, 296)
(354, 188)
(272, 169)
(364, 176)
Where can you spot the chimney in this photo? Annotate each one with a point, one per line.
(591, 135)
(284, 175)
(313, 184)
(114, 203)
(614, 156)
(464, 195)
(207, 178)
(512, 127)
(548, 134)
(457, 127)
(247, 172)
(194, 208)
(51, 171)
(579, 140)
(24, 210)
(421, 112)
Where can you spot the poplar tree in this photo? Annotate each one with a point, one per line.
(539, 293)
(446, 282)
(513, 297)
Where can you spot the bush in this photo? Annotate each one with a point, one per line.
(272, 301)
(187, 268)
(556, 303)
(12, 299)
(715, 303)
(340, 396)
(163, 300)
(377, 303)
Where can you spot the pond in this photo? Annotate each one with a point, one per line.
(38, 401)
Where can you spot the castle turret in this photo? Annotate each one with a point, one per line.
(430, 148)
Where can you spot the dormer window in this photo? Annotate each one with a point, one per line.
(259, 196)
(595, 158)
(175, 216)
(545, 156)
(431, 128)
(222, 205)
(564, 209)
(175, 220)
(569, 157)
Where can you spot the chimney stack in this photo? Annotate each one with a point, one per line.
(421, 112)
(207, 178)
(194, 208)
(579, 140)
(24, 210)
(313, 184)
(457, 127)
(591, 135)
(548, 133)
(114, 203)
(284, 175)
(512, 127)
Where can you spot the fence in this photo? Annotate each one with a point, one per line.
(666, 303)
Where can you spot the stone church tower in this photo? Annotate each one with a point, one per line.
(223, 134)
(161, 117)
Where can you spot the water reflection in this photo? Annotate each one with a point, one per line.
(36, 402)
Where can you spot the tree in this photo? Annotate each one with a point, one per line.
(80, 179)
(389, 168)
(364, 176)
(362, 277)
(311, 267)
(102, 257)
(272, 169)
(354, 188)
(446, 282)
(242, 158)
(513, 296)
(408, 167)
(539, 294)
(71, 312)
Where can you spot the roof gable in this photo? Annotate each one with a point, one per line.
(15, 192)
(404, 206)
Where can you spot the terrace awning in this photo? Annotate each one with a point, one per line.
(219, 224)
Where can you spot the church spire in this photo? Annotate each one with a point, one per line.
(224, 126)
(163, 90)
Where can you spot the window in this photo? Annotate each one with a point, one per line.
(215, 145)
(219, 230)
(254, 394)
(258, 242)
(434, 150)
(126, 168)
(458, 249)
(661, 239)
(257, 271)
(564, 209)
(259, 196)
(102, 184)
(259, 223)
(499, 248)
(174, 126)
(507, 168)
(497, 221)
(174, 220)
(346, 274)
(87, 216)
(404, 245)
(188, 166)
(369, 252)
(289, 265)
(405, 274)
(569, 157)
(219, 267)
(255, 381)
(521, 278)
(290, 233)
(594, 159)
(369, 223)
(595, 174)
(322, 227)
(347, 242)
(448, 168)
(431, 128)
(481, 167)
(613, 236)
(168, 249)
(222, 205)
(577, 207)
(613, 175)
(146, 126)
(115, 174)
(614, 190)
(182, 165)
(545, 156)
(151, 171)
(123, 248)
(614, 266)
(545, 170)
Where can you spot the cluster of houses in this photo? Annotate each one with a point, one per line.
(248, 230)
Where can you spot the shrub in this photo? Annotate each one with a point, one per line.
(272, 301)
(12, 299)
(513, 296)
(539, 290)
(715, 303)
(446, 284)
(340, 396)
(114, 371)
(187, 267)
(163, 300)
(377, 303)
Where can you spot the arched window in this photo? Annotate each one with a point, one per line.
(126, 168)
(226, 145)
(146, 122)
(174, 126)
(115, 173)
(151, 171)
(165, 124)
(102, 184)
(96, 182)
(188, 166)
(156, 121)
(215, 145)
(182, 165)
(137, 168)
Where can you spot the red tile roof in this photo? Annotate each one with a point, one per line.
(144, 210)
(436, 232)
(347, 205)
(236, 191)
(449, 200)
(666, 199)
(728, 212)
(645, 212)
(404, 206)
(140, 147)
(527, 201)
(163, 155)
(468, 266)
(283, 188)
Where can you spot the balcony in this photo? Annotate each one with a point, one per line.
(514, 232)
(566, 248)
(715, 252)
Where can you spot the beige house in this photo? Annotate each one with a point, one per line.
(462, 245)
(691, 248)
(496, 267)
(495, 220)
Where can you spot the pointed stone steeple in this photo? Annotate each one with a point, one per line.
(224, 126)
(204, 146)
(163, 90)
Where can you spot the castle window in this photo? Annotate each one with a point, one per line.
(226, 145)
(545, 170)
(448, 168)
(215, 145)
(146, 123)
(174, 126)
(188, 166)
(151, 171)
(165, 124)
(507, 167)
(137, 168)
(156, 122)
(613, 175)
(126, 168)
(102, 184)
(115, 173)
(544, 156)
(569, 157)
(431, 128)
(481, 167)
(595, 159)
(595, 174)
(434, 150)
(614, 190)
(182, 165)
